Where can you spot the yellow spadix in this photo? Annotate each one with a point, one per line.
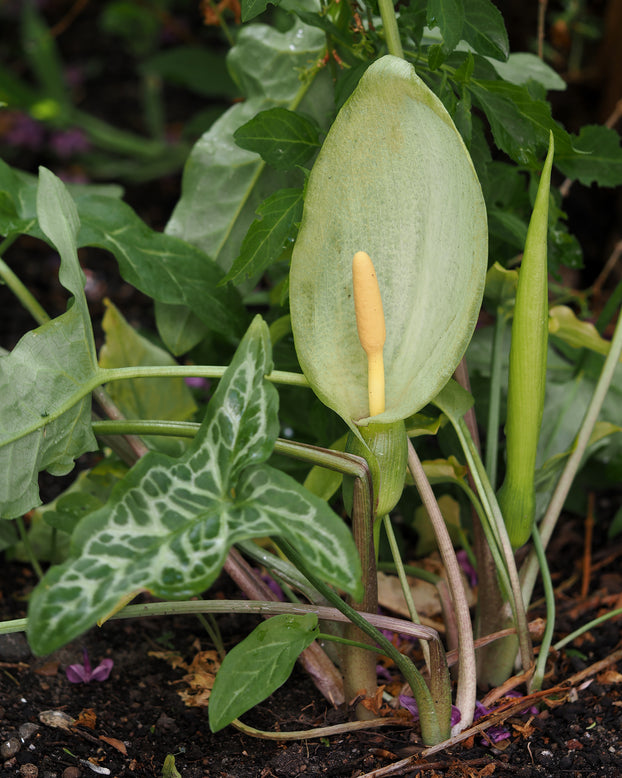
(370, 326)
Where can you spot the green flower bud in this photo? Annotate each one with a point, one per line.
(385, 447)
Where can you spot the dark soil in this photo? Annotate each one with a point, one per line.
(129, 723)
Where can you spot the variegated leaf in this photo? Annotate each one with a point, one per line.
(169, 525)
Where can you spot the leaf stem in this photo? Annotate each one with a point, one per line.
(431, 706)
(263, 608)
(25, 538)
(401, 573)
(188, 371)
(25, 297)
(449, 401)
(586, 628)
(467, 678)
(498, 538)
(549, 594)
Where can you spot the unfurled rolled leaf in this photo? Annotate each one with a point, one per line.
(527, 375)
(395, 180)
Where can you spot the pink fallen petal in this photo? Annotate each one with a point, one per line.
(102, 671)
(76, 674)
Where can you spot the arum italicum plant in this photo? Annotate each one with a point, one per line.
(393, 182)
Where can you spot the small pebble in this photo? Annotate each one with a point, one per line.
(14, 647)
(29, 770)
(27, 730)
(9, 748)
(71, 772)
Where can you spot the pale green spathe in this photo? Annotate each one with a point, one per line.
(393, 179)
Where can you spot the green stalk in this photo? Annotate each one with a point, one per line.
(434, 706)
(586, 628)
(412, 570)
(494, 408)
(467, 676)
(25, 297)
(499, 541)
(25, 538)
(199, 371)
(527, 378)
(391, 30)
(454, 402)
(406, 590)
(359, 665)
(549, 594)
(263, 608)
(609, 309)
(279, 568)
(106, 136)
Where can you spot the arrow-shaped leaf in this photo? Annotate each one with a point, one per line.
(258, 665)
(45, 419)
(164, 267)
(169, 525)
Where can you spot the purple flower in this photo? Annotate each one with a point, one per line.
(196, 382)
(494, 734)
(24, 132)
(69, 142)
(410, 704)
(383, 673)
(83, 673)
(532, 710)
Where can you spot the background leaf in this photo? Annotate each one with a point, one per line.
(448, 16)
(193, 67)
(599, 157)
(522, 67)
(258, 665)
(267, 236)
(520, 124)
(179, 328)
(167, 269)
(252, 8)
(484, 29)
(144, 398)
(266, 65)
(45, 424)
(283, 138)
